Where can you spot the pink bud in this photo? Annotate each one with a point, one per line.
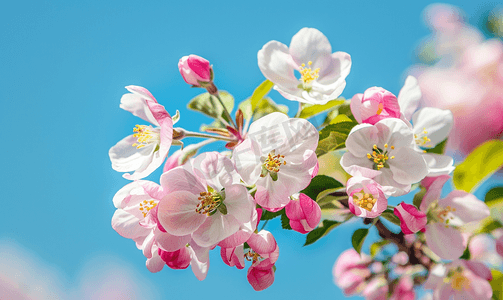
(195, 69)
(261, 275)
(411, 219)
(374, 105)
(499, 246)
(304, 214)
(179, 259)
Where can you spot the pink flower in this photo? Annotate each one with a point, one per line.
(374, 105)
(304, 214)
(366, 197)
(376, 289)
(278, 157)
(145, 150)
(350, 271)
(411, 219)
(135, 218)
(263, 253)
(460, 279)
(404, 289)
(195, 70)
(204, 199)
(499, 246)
(442, 234)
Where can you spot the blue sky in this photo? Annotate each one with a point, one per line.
(63, 68)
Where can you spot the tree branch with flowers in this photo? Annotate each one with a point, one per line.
(277, 166)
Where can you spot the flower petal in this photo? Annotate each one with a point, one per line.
(177, 213)
(309, 44)
(468, 207)
(276, 64)
(435, 121)
(408, 166)
(409, 97)
(445, 242)
(125, 157)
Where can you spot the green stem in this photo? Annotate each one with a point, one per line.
(208, 136)
(227, 114)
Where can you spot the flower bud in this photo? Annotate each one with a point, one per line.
(374, 105)
(412, 220)
(304, 214)
(195, 70)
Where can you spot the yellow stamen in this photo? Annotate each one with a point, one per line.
(273, 162)
(146, 206)
(459, 281)
(365, 201)
(209, 202)
(308, 75)
(145, 135)
(380, 108)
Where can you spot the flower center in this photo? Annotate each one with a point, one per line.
(380, 108)
(252, 256)
(272, 164)
(422, 139)
(145, 135)
(441, 214)
(146, 206)
(379, 157)
(307, 75)
(210, 201)
(458, 280)
(364, 200)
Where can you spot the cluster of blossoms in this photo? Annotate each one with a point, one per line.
(214, 199)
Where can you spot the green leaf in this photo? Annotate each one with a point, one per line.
(494, 199)
(267, 215)
(494, 194)
(418, 197)
(176, 117)
(265, 107)
(311, 110)
(390, 216)
(210, 106)
(466, 254)
(376, 247)
(439, 148)
(319, 184)
(488, 225)
(358, 238)
(285, 222)
(333, 137)
(321, 231)
(340, 118)
(497, 284)
(263, 89)
(479, 165)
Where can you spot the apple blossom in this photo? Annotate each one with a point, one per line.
(376, 289)
(145, 150)
(278, 156)
(323, 73)
(411, 219)
(461, 280)
(366, 197)
(445, 216)
(304, 213)
(195, 70)
(384, 153)
(350, 271)
(374, 105)
(203, 200)
(404, 289)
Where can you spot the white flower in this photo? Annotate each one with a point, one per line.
(322, 73)
(384, 152)
(278, 156)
